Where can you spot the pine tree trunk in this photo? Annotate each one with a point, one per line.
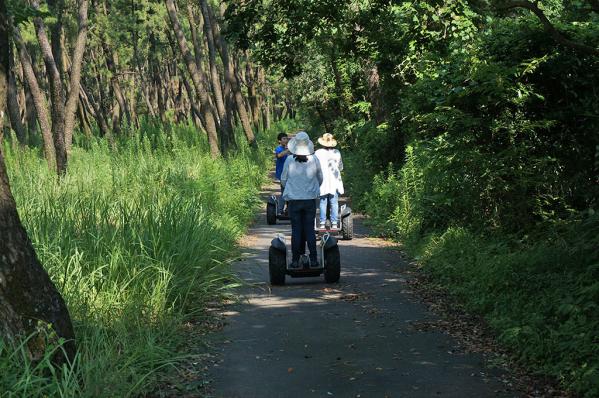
(226, 127)
(232, 79)
(14, 112)
(75, 75)
(29, 301)
(199, 85)
(39, 100)
(56, 92)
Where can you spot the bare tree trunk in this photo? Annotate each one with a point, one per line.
(75, 76)
(100, 116)
(24, 99)
(39, 99)
(14, 112)
(111, 64)
(232, 79)
(194, 107)
(266, 101)
(83, 119)
(253, 99)
(195, 36)
(196, 78)
(56, 92)
(30, 115)
(156, 76)
(29, 301)
(226, 127)
(374, 94)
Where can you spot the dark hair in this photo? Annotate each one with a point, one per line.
(300, 158)
(281, 135)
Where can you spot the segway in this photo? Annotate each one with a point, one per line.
(347, 224)
(329, 261)
(273, 213)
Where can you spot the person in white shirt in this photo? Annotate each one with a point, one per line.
(332, 184)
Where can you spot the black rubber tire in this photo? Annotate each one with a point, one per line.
(277, 266)
(347, 228)
(271, 214)
(332, 265)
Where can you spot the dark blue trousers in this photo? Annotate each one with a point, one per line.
(302, 213)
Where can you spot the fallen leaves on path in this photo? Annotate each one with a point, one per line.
(474, 335)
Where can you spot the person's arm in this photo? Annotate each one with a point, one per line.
(318, 171)
(285, 173)
(283, 152)
(340, 162)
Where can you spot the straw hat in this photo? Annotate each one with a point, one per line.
(327, 140)
(301, 144)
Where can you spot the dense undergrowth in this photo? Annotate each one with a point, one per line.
(137, 240)
(487, 171)
(496, 197)
(538, 289)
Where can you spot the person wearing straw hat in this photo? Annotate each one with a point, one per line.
(332, 185)
(301, 179)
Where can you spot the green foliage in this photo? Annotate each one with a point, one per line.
(469, 134)
(539, 292)
(137, 241)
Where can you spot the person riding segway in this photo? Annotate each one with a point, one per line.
(301, 179)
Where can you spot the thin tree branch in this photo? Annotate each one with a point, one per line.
(556, 34)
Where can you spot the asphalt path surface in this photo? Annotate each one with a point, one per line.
(355, 338)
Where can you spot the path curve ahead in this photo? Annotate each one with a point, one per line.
(356, 338)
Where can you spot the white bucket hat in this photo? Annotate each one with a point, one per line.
(301, 144)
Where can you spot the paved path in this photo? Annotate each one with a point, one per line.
(352, 339)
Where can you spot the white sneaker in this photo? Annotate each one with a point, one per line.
(322, 226)
(335, 225)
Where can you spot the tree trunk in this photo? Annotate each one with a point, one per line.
(232, 79)
(374, 94)
(154, 62)
(75, 76)
(30, 115)
(196, 78)
(56, 93)
(39, 99)
(14, 112)
(226, 127)
(252, 92)
(29, 301)
(83, 119)
(266, 101)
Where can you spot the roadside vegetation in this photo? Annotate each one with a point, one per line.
(469, 134)
(138, 241)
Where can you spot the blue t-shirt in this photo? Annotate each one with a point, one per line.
(280, 162)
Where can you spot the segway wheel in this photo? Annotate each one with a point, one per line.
(271, 214)
(332, 265)
(347, 228)
(277, 264)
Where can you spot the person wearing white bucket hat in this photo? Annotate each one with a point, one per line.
(332, 185)
(301, 179)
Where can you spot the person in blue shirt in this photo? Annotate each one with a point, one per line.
(281, 153)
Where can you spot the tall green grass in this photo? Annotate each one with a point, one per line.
(137, 240)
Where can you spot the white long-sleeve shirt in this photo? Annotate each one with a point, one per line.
(331, 164)
(301, 180)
